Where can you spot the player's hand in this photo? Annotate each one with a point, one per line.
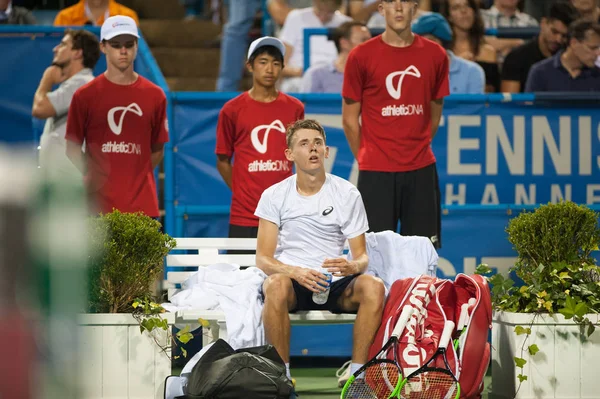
(55, 74)
(310, 279)
(341, 267)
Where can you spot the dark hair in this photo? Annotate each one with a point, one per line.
(270, 50)
(344, 31)
(309, 124)
(562, 11)
(87, 42)
(477, 31)
(578, 29)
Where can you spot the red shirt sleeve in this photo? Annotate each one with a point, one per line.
(441, 87)
(225, 133)
(353, 78)
(76, 119)
(160, 128)
(300, 113)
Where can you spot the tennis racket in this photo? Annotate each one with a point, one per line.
(430, 381)
(380, 377)
(463, 320)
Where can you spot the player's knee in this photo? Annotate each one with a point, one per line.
(371, 288)
(277, 287)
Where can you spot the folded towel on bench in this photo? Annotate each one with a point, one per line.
(233, 291)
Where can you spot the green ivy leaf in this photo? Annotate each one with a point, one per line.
(533, 349)
(522, 377)
(185, 338)
(520, 362)
(483, 269)
(520, 330)
(591, 329)
(569, 310)
(581, 309)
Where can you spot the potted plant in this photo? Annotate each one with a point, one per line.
(125, 337)
(544, 340)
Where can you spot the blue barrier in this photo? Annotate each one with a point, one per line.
(498, 32)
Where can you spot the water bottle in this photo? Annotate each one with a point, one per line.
(321, 297)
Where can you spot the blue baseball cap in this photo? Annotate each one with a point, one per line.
(433, 24)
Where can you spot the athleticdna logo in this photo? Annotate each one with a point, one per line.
(396, 92)
(116, 126)
(261, 146)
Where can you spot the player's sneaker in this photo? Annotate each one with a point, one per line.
(343, 373)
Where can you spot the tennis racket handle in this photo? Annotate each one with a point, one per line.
(407, 311)
(446, 334)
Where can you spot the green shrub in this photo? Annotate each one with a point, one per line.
(554, 245)
(128, 252)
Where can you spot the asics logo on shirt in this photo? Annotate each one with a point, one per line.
(396, 92)
(261, 146)
(117, 126)
(327, 211)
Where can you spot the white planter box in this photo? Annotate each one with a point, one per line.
(117, 361)
(565, 367)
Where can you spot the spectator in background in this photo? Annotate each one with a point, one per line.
(74, 59)
(361, 9)
(122, 118)
(240, 16)
(572, 69)
(279, 10)
(588, 9)
(251, 131)
(92, 12)
(328, 78)
(323, 14)
(468, 40)
(466, 77)
(553, 35)
(15, 15)
(506, 14)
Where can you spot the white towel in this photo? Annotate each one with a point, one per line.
(393, 256)
(235, 292)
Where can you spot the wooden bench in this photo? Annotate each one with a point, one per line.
(198, 252)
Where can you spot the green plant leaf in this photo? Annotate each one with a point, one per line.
(569, 310)
(533, 349)
(520, 330)
(183, 352)
(591, 329)
(520, 362)
(185, 338)
(483, 269)
(581, 309)
(522, 377)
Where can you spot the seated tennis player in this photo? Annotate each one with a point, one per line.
(304, 221)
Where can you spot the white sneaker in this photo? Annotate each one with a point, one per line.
(343, 373)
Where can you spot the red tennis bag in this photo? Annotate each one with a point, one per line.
(435, 301)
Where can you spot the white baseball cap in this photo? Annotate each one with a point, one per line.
(118, 25)
(266, 41)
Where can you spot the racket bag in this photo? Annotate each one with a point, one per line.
(420, 339)
(224, 373)
(435, 301)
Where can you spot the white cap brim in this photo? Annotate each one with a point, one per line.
(266, 41)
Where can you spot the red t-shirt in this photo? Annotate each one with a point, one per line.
(395, 86)
(119, 124)
(254, 132)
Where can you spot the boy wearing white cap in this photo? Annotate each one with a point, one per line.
(252, 126)
(121, 117)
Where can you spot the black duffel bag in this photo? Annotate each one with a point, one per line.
(224, 373)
